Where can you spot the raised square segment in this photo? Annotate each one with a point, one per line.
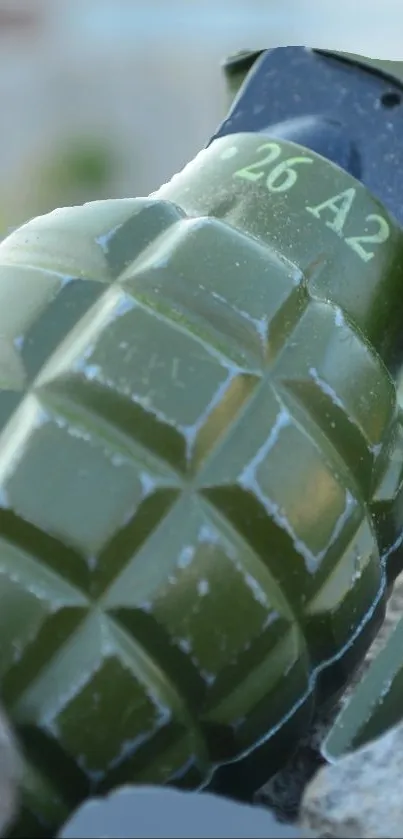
(39, 310)
(387, 502)
(38, 611)
(91, 242)
(152, 379)
(273, 482)
(90, 490)
(201, 274)
(103, 678)
(354, 411)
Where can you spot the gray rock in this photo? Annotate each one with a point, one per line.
(360, 795)
(162, 813)
(10, 772)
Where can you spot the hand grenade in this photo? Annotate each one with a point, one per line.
(200, 470)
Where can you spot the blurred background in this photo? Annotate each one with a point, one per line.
(99, 98)
(110, 97)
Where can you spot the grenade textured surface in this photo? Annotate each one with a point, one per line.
(198, 475)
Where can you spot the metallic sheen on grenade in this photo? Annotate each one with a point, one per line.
(200, 470)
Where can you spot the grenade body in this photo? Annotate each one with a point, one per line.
(200, 470)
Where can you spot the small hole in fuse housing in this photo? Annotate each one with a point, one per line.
(391, 99)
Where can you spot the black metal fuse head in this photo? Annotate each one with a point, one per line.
(344, 109)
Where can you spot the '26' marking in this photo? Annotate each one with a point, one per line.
(282, 176)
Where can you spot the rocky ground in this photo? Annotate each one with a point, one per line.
(326, 795)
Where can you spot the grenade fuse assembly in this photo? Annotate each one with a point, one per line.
(201, 450)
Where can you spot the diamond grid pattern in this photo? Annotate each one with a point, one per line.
(127, 468)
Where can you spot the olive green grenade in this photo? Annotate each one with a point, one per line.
(200, 470)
